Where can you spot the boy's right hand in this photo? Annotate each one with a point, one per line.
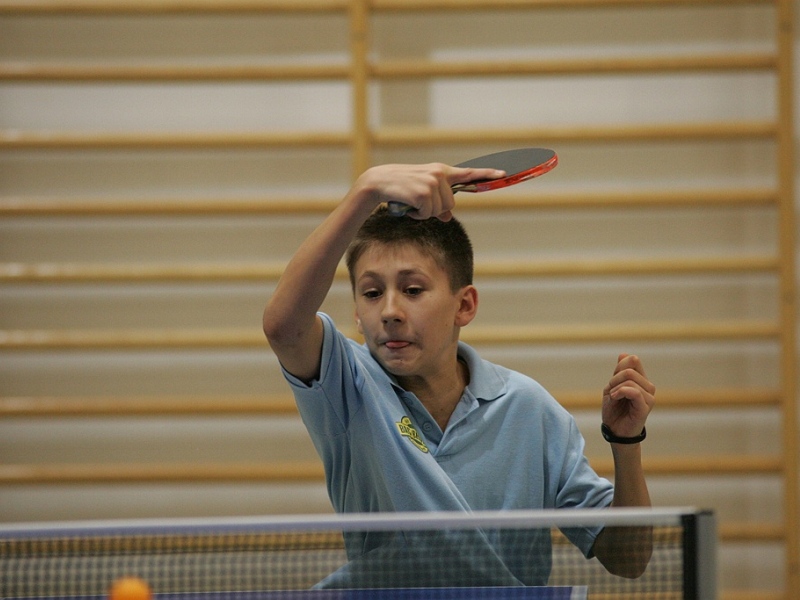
(425, 188)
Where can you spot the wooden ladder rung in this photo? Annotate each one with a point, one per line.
(147, 406)
(30, 206)
(161, 7)
(283, 404)
(472, 5)
(33, 71)
(387, 136)
(90, 72)
(704, 466)
(308, 471)
(753, 595)
(158, 140)
(688, 399)
(109, 473)
(422, 136)
(631, 332)
(246, 337)
(408, 69)
(271, 270)
(744, 532)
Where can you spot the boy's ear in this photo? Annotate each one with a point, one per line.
(468, 306)
(358, 324)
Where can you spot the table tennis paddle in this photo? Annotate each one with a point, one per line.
(520, 165)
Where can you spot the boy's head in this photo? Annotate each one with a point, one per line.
(445, 241)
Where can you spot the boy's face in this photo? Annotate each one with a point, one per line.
(406, 311)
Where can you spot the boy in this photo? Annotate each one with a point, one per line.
(414, 419)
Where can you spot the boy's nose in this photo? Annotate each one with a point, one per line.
(391, 308)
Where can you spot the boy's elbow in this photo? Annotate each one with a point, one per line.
(286, 332)
(275, 329)
(625, 551)
(276, 334)
(297, 346)
(266, 323)
(631, 568)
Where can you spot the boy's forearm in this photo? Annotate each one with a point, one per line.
(630, 487)
(309, 275)
(626, 551)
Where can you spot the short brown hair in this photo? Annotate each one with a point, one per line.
(446, 242)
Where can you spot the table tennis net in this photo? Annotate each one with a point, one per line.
(409, 550)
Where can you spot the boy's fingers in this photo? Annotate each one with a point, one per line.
(630, 378)
(629, 361)
(467, 174)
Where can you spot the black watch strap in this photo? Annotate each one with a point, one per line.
(609, 436)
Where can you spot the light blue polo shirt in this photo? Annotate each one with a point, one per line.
(508, 445)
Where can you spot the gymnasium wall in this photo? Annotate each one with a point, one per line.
(158, 166)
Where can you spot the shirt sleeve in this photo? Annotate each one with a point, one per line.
(323, 403)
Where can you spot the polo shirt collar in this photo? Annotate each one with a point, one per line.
(485, 383)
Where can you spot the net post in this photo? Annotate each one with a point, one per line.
(699, 556)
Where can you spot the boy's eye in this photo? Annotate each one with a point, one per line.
(371, 294)
(414, 291)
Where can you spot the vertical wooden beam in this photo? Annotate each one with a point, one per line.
(785, 140)
(359, 84)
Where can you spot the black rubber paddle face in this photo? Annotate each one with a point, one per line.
(520, 165)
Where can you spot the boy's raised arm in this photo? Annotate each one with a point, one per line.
(290, 318)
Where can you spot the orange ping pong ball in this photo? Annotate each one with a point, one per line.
(130, 588)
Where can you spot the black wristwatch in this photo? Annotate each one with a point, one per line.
(609, 436)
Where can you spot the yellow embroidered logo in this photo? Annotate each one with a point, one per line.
(407, 429)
